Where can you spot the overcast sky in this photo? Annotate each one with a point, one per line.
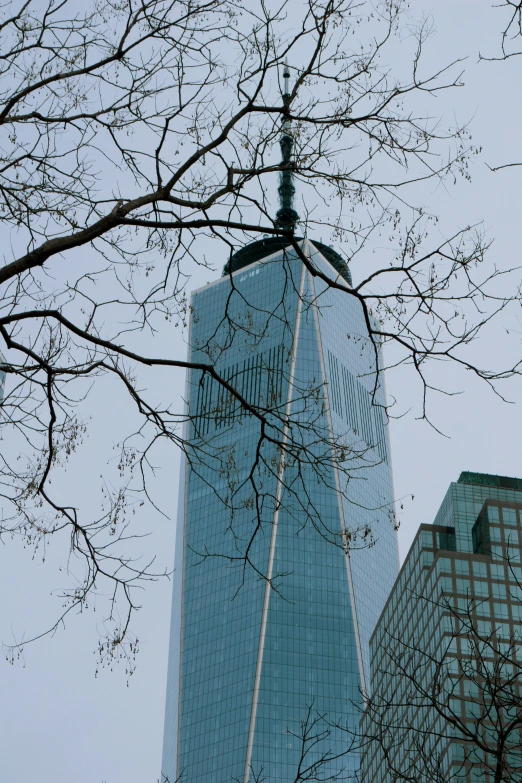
(63, 724)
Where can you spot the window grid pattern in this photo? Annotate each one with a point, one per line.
(259, 379)
(353, 402)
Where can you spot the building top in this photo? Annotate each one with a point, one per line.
(459, 528)
(255, 251)
(489, 480)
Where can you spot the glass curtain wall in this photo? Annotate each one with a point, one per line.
(271, 618)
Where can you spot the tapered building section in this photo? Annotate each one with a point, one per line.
(274, 600)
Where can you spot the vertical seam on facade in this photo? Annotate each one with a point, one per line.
(268, 589)
(387, 447)
(339, 501)
(182, 619)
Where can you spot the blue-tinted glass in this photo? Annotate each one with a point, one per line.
(250, 660)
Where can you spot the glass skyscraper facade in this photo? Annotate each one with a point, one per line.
(275, 594)
(446, 654)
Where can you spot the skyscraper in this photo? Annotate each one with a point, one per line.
(273, 602)
(446, 657)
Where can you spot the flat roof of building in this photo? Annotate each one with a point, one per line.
(490, 480)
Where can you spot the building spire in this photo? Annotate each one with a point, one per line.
(286, 217)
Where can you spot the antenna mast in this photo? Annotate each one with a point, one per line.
(286, 217)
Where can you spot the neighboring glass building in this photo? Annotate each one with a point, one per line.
(446, 654)
(271, 618)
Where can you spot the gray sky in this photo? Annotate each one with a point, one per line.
(60, 723)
